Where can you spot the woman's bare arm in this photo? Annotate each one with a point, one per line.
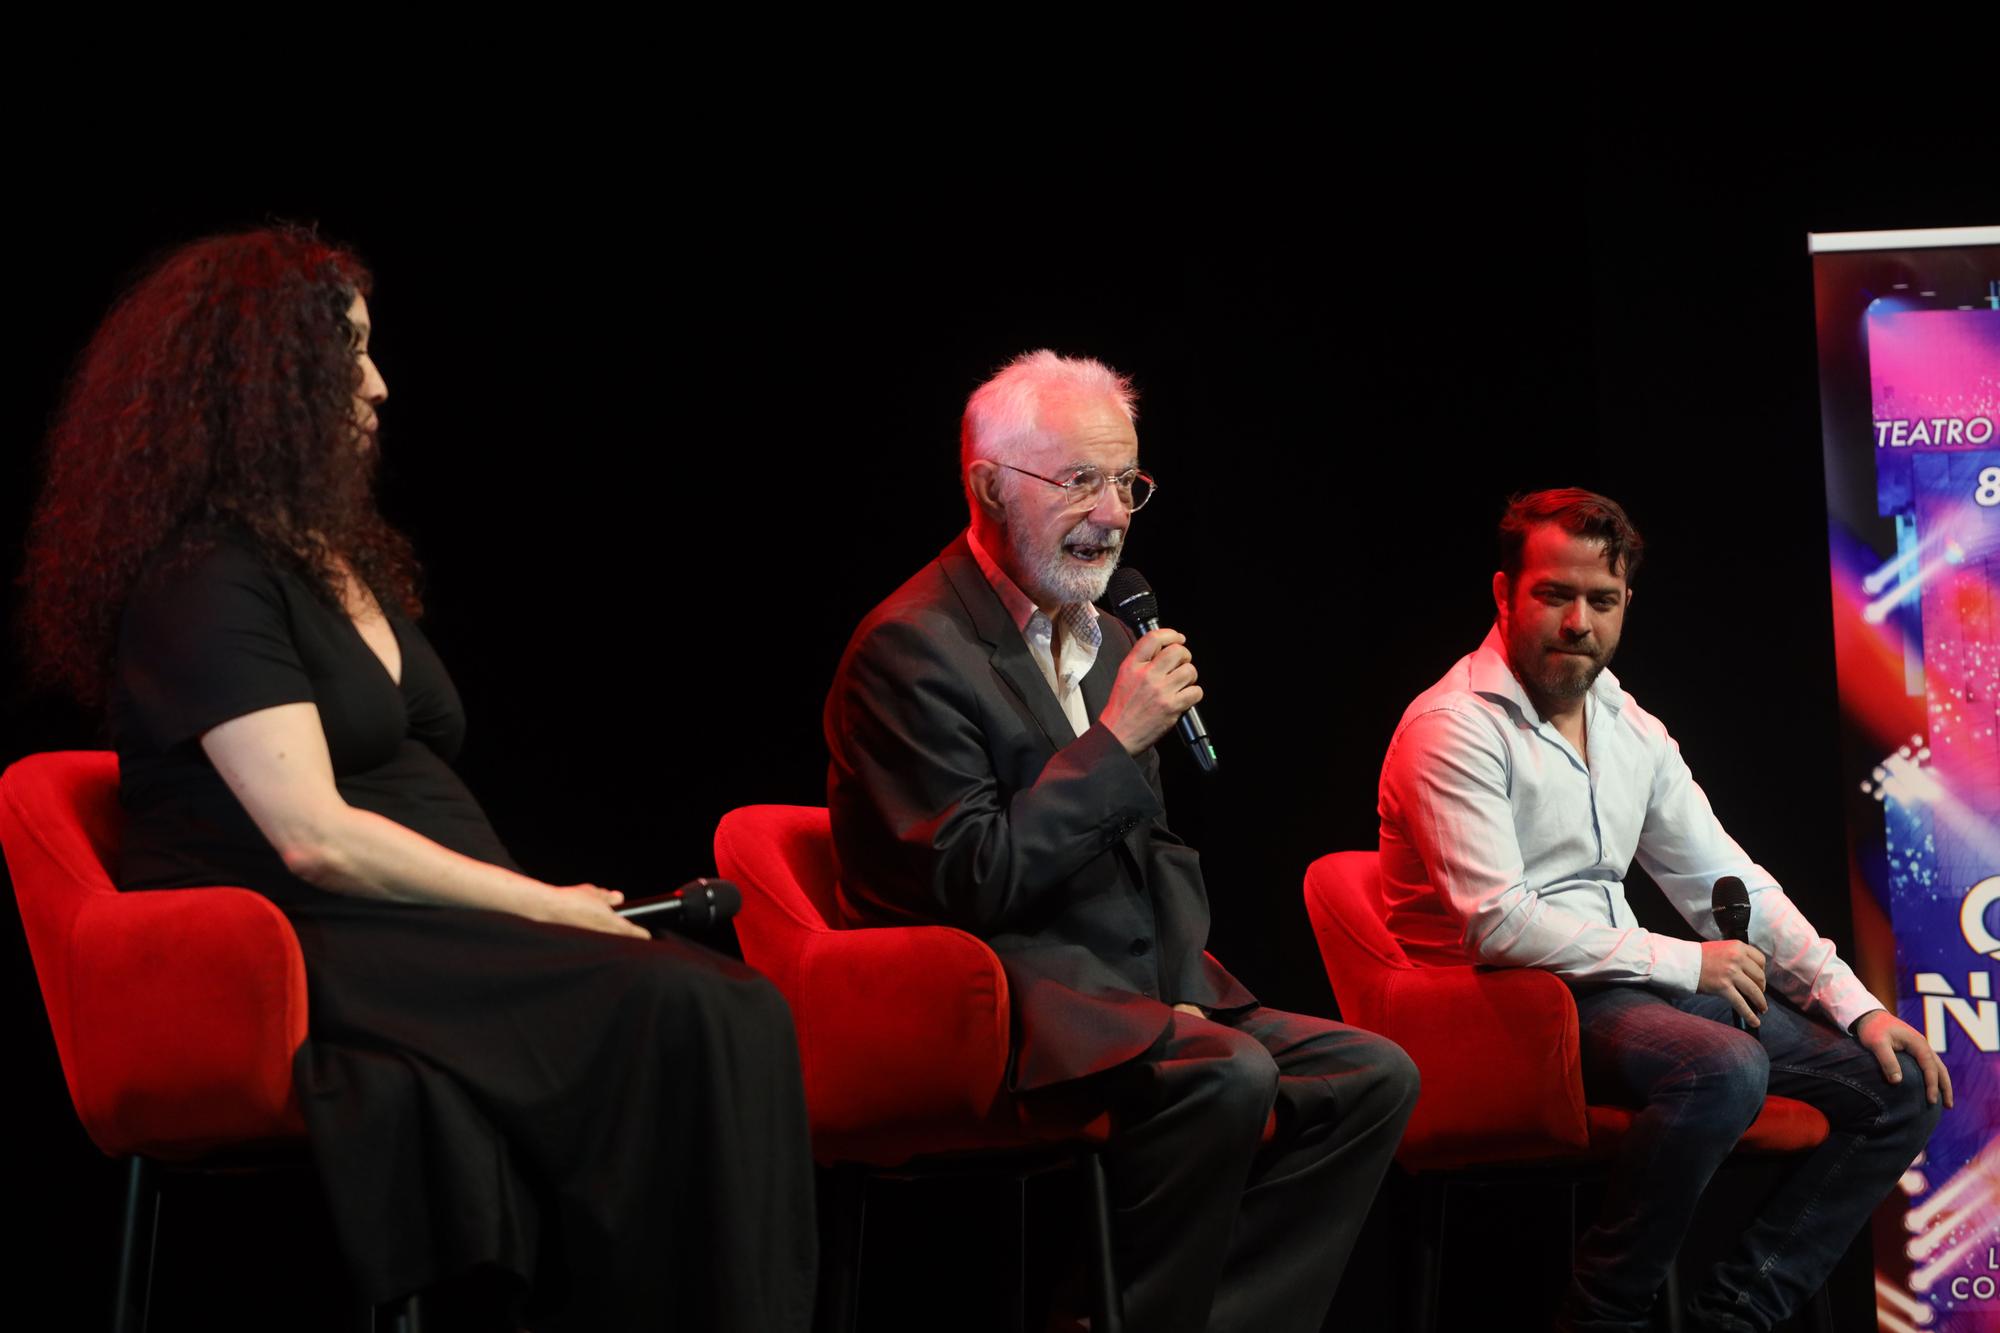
(275, 760)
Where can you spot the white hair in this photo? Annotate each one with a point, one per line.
(1008, 410)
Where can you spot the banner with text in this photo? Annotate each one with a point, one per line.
(1909, 337)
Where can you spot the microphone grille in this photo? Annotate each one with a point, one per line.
(1129, 597)
(706, 901)
(727, 897)
(1729, 892)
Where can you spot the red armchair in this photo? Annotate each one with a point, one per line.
(175, 1013)
(903, 1034)
(1497, 1048)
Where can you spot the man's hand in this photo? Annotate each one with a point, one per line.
(1155, 686)
(1735, 971)
(1884, 1034)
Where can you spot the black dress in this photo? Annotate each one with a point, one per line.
(620, 1123)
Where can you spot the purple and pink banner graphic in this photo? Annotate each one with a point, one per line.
(1910, 390)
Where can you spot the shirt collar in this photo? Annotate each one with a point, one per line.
(1078, 618)
(1490, 674)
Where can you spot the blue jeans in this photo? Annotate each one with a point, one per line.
(1698, 1083)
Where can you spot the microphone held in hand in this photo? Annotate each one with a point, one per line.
(696, 905)
(1731, 906)
(1732, 909)
(1130, 598)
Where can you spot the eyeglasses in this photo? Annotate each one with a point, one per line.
(1086, 485)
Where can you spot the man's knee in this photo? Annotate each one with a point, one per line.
(1369, 1089)
(1393, 1080)
(1908, 1113)
(1728, 1080)
(1241, 1086)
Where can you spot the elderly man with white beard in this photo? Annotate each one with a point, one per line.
(993, 769)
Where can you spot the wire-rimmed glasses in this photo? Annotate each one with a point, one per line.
(1085, 485)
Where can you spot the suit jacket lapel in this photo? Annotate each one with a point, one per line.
(1011, 658)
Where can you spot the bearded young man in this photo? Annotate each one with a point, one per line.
(1516, 793)
(993, 769)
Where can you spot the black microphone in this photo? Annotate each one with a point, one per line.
(1732, 909)
(696, 905)
(1129, 597)
(1731, 906)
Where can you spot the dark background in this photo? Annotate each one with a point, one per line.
(672, 405)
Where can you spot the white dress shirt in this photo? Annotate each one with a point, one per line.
(1501, 845)
(1063, 665)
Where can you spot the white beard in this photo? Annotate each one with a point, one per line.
(1060, 579)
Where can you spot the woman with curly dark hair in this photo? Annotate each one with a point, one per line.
(501, 1074)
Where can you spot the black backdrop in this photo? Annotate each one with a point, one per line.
(668, 414)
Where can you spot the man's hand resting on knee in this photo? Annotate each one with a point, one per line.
(1884, 1034)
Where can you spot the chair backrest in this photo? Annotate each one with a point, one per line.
(59, 824)
(1344, 901)
(71, 796)
(781, 856)
(785, 854)
(176, 1013)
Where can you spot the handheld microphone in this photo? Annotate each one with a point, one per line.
(1129, 597)
(1731, 906)
(1732, 909)
(696, 905)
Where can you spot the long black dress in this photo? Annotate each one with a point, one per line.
(621, 1123)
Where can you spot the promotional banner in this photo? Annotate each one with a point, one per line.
(1909, 337)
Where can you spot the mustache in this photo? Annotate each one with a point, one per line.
(1087, 533)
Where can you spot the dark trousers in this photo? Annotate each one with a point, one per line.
(1214, 1230)
(1699, 1082)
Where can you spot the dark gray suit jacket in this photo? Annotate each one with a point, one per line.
(961, 794)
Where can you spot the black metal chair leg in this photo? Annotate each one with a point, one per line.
(1673, 1297)
(1819, 1311)
(1020, 1311)
(135, 1254)
(845, 1200)
(1573, 1187)
(1430, 1254)
(1107, 1309)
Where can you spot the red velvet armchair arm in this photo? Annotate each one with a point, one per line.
(899, 1025)
(186, 1007)
(1497, 1049)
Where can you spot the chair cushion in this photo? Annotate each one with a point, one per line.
(1497, 1047)
(1784, 1125)
(903, 1030)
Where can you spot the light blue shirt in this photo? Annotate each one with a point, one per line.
(1501, 845)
